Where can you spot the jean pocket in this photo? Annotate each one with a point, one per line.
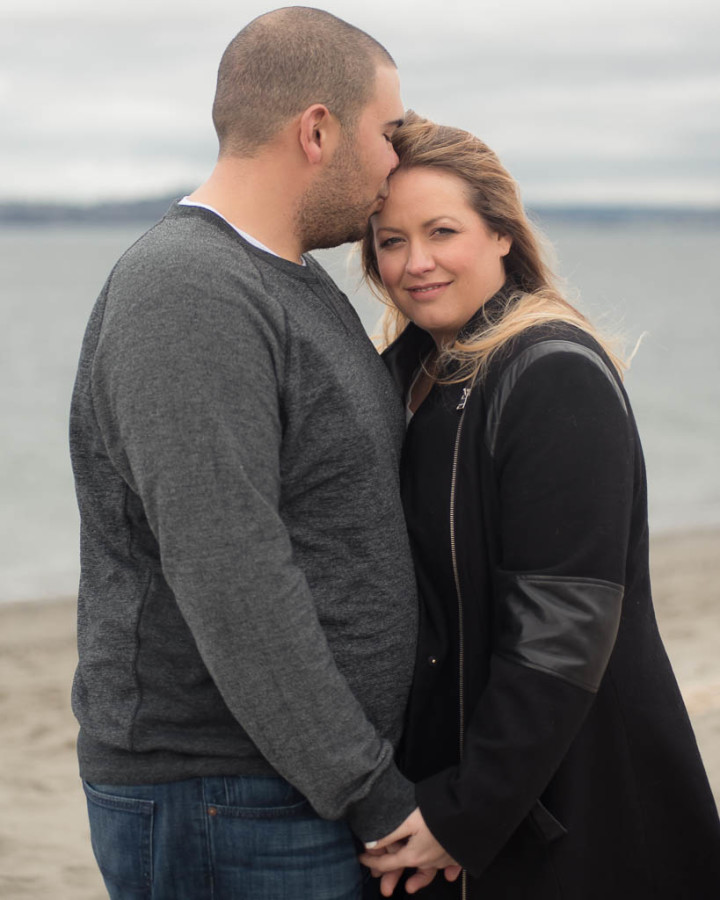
(121, 830)
(254, 797)
(282, 851)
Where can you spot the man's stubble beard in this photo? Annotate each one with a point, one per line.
(336, 209)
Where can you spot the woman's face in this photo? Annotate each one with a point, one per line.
(437, 258)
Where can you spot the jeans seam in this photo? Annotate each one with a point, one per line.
(151, 855)
(208, 841)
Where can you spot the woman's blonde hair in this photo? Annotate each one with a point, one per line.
(534, 298)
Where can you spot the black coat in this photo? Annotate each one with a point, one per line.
(553, 753)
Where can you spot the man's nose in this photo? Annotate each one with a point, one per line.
(395, 159)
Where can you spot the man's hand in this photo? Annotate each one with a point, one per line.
(412, 845)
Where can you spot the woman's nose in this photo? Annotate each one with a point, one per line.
(419, 260)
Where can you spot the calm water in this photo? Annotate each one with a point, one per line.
(658, 280)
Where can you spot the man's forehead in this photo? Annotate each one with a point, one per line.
(386, 102)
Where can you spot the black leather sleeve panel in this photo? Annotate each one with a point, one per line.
(563, 626)
(521, 364)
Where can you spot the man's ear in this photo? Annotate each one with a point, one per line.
(318, 133)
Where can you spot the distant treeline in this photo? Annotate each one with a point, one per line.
(147, 211)
(125, 212)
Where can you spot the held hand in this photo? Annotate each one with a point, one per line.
(412, 845)
(389, 880)
(420, 879)
(417, 881)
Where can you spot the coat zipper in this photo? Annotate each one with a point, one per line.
(461, 636)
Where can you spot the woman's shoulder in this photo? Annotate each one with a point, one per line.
(555, 333)
(553, 358)
(546, 341)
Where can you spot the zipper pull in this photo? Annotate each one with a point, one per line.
(464, 398)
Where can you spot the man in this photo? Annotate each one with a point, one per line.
(247, 605)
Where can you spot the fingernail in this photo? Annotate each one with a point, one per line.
(370, 845)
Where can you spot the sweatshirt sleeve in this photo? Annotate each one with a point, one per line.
(188, 397)
(562, 448)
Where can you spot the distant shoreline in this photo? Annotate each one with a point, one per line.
(149, 210)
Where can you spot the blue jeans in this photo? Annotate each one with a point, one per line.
(245, 838)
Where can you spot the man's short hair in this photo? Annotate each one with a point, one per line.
(282, 63)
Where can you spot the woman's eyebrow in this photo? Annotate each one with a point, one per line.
(426, 224)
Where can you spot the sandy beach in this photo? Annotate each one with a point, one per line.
(44, 839)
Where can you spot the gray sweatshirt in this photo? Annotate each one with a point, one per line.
(247, 601)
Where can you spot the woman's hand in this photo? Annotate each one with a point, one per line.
(411, 845)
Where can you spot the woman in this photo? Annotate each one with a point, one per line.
(551, 749)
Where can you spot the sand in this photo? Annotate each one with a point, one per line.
(44, 838)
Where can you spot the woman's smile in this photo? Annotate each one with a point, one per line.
(428, 291)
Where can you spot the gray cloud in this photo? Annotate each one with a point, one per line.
(598, 100)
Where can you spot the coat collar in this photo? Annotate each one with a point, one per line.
(408, 350)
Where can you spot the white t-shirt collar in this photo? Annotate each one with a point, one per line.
(186, 201)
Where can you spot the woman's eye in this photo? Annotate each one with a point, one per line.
(389, 242)
(443, 231)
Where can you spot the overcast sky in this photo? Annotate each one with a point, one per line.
(585, 100)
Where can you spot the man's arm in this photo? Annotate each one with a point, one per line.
(187, 395)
